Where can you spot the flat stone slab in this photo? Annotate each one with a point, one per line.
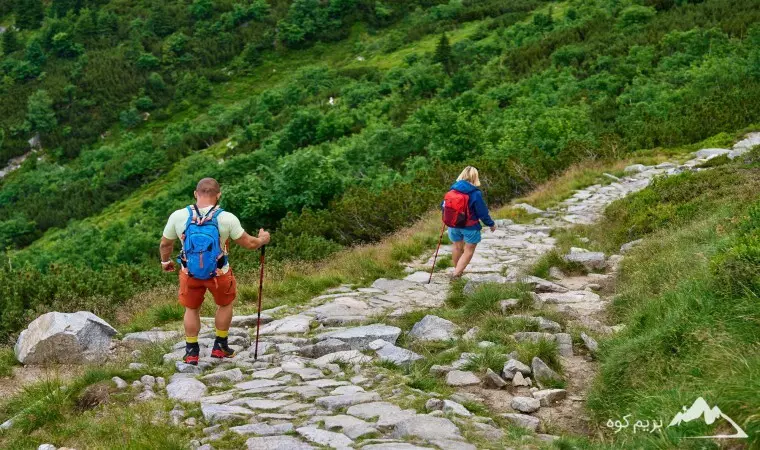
(234, 375)
(151, 337)
(349, 425)
(348, 357)
(297, 324)
(427, 428)
(358, 338)
(418, 277)
(387, 414)
(261, 403)
(213, 413)
(277, 443)
(388, 352)
(323, 437)
(523, 420)
(461, 378)
(263, 429)
(395, 446)
(333, 402)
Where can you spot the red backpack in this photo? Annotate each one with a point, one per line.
(456, 210)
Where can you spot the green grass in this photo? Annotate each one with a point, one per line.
(7, 361)
(688, 333)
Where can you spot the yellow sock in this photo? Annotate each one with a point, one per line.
(191, 339)
(222, 333)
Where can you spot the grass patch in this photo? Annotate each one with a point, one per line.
(554, 259)
(7, 361)
(444, 262)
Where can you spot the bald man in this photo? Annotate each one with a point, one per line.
(223, 286)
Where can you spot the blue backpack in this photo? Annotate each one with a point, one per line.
(201, 246)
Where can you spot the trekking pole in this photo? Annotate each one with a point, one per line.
(440, 238)
(262, 259)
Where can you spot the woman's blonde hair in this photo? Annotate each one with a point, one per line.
(470, 174)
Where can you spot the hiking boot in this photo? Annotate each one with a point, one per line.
(221, 349)
(191, 355)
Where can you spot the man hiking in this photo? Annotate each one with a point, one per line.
(463, 210)
(204, 229)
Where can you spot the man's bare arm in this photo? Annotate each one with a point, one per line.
(165, 249)
(252, 242)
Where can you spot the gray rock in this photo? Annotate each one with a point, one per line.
(348, 357)
(461, 378)
(306, 391)
(150, 337)
(259, 384)
(625, 248)
(525, 404)
(262, 404)
(277, 443)
(547, 397)
(556, 273)
(635, 168)
(148, 380)
(214, 413)
(358, 338)
(322, 348)
(120, 383)
(518, 380)
(426, 428)
(433, 328)
(186, 368)
(233, 375)
(437, 369)
(393, 285)
(542, 372)
(565, 344)
(250, 320)
(494, 380)
(540, 285)
(530, 209)
(387, 414)
(418, 277)
(523, 420)
(65, 338)
(390, 353)
(471, 333)
(333, 402)
(326, 438)
(146, 395)
(450, 406)
(289, 325)
(350, 426)
(589, 260)
(307, 374)
(590, 342)
(263, 429)
(219, 398)
(185, 389)
(448, 444)
(47, 447)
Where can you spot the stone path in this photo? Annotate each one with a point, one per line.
(315, 383)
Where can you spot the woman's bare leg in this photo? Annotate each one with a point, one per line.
(456, 252)
(464, 260)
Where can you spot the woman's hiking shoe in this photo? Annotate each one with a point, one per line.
(191, 355)
(221, 349)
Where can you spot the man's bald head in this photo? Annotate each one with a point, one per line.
(207, 187)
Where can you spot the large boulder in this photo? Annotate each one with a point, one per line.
(65, 338)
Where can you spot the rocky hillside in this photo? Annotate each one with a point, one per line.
(519, 354)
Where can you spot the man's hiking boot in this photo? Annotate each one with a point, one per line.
(191, 355)
(221, 349)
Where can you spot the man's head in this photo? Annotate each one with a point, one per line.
(208, 189)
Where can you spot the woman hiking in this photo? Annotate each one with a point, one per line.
(463, 210)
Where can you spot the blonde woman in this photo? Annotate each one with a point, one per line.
(463, 210)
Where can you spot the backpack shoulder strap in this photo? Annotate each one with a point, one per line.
(190, 216)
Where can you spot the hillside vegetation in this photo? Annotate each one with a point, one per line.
(135, 101)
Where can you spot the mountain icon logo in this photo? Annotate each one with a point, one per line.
(700, 408)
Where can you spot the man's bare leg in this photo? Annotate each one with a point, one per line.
(192, 322)
(464, 260)
(223, 317)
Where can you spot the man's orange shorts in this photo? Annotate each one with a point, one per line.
(192, 290)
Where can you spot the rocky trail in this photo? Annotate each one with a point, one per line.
(317, 383)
